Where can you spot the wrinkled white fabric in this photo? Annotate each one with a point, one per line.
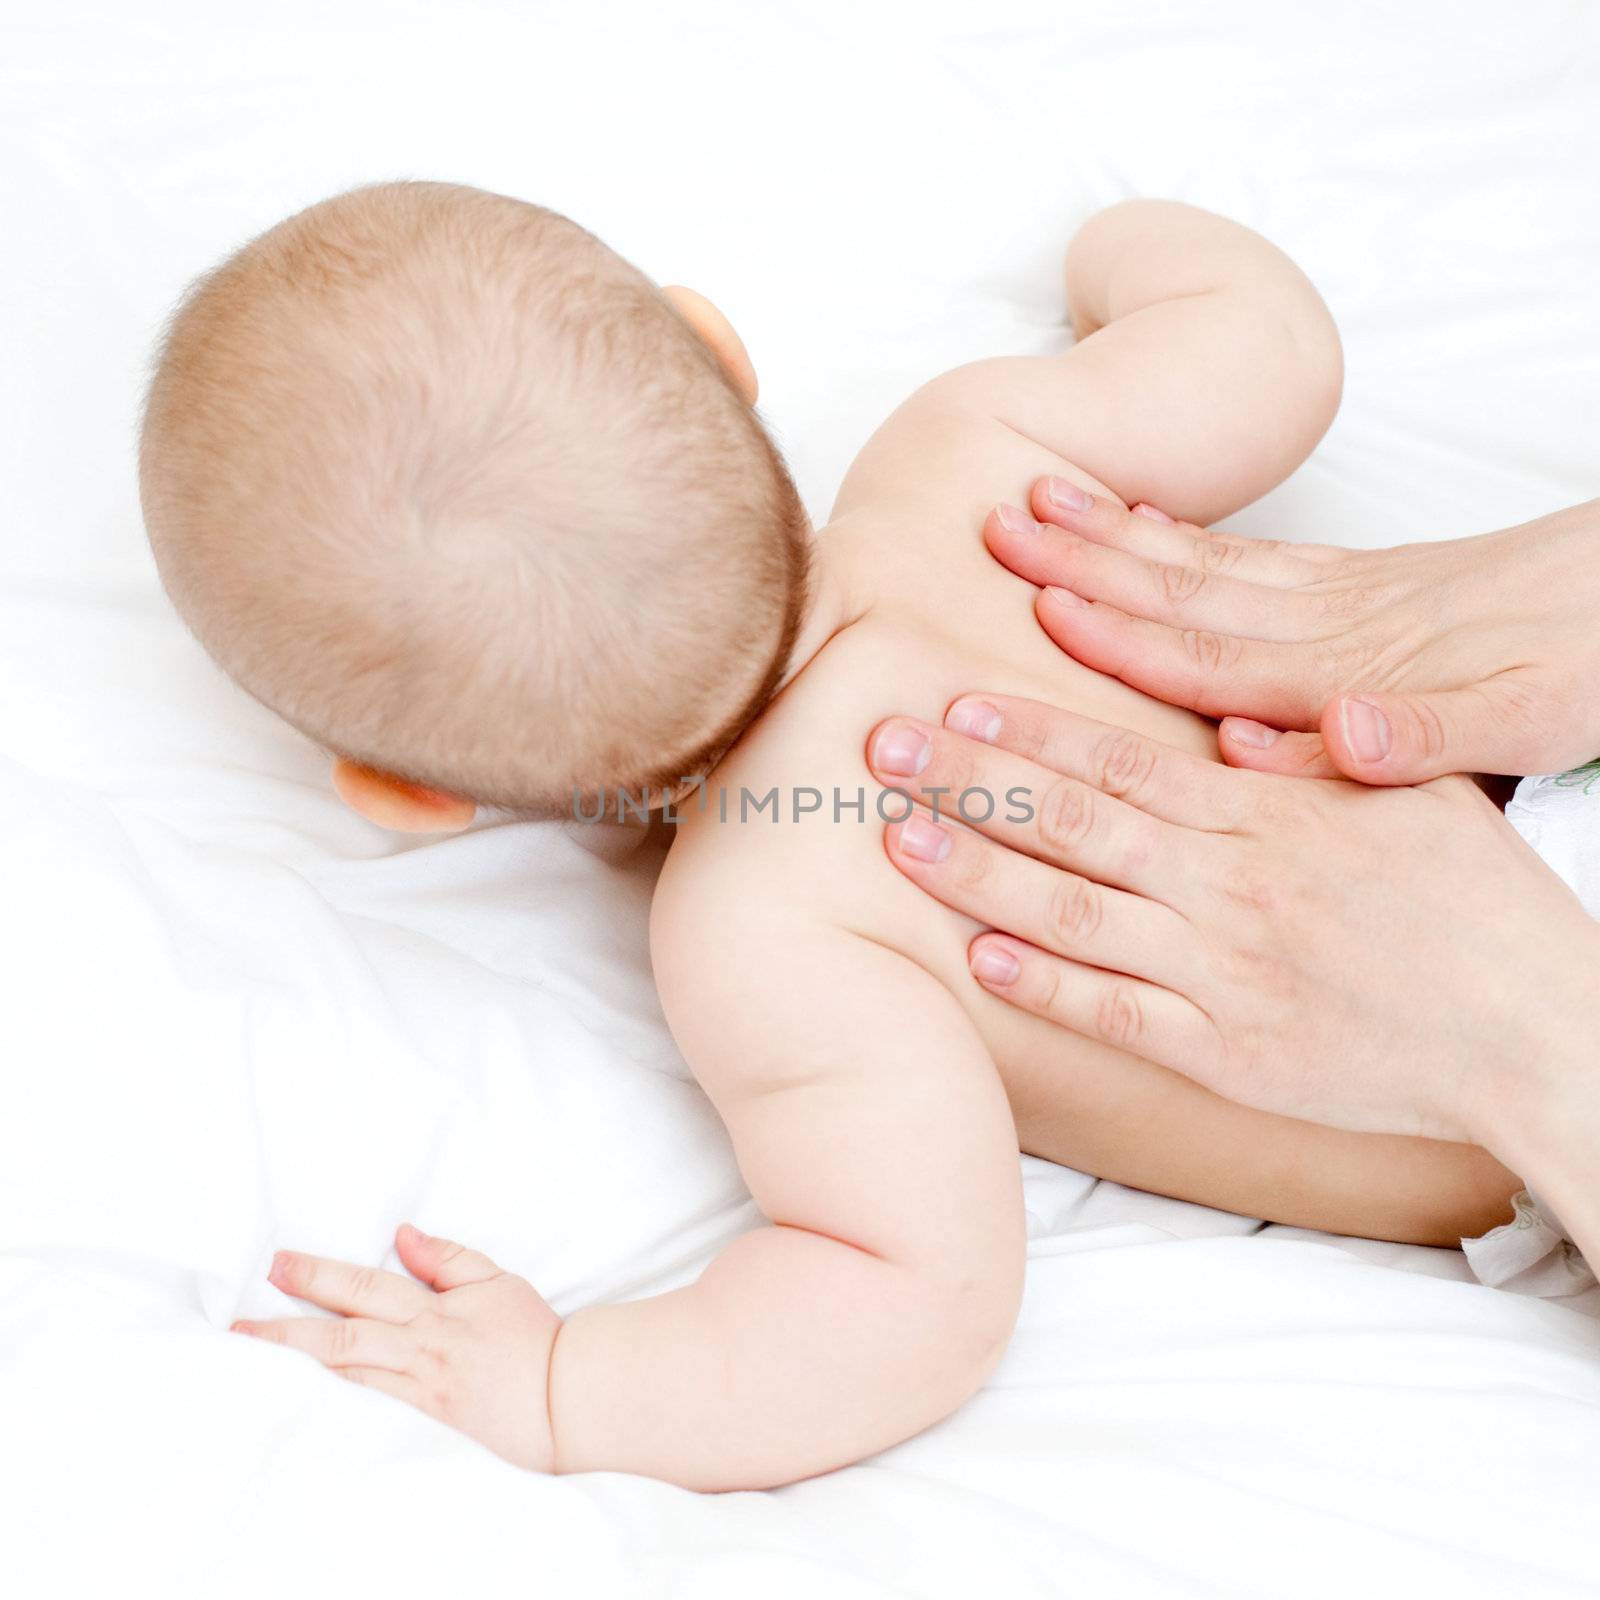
(235, 1017)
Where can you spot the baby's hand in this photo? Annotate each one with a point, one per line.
(472, 1350)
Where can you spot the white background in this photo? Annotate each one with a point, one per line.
(235, 1017)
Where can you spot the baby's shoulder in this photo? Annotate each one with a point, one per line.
(783, 834)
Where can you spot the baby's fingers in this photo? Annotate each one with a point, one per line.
(442, 1263)
(351, 1291)
(399, 1384)
(342, 1342)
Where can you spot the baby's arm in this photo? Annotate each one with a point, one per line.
(876, 1138)
(874, 1134)
(1205, 370)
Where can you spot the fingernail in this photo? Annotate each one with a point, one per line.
(280, 1265)
(923, 840)
(1065, 597)
(1255, 734)
(1366, 729)
(901, 750)
(411, 1230)
(1015, 521)
(993, 963)
(241, 1327)
(1066, 496)
(1154, 513)
(975, 718)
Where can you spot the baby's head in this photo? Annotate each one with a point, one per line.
(467, 499)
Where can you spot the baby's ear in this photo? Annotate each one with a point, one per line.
(395, 804)
(717, 334)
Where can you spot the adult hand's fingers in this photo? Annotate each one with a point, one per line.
(1141, 1018)
(1495, 726)
(1179, 595)
(340, 1342)
(1141, 772)
(442, 1263)
(1051, 908)
(1144, 531)
(1056, 819)
(1244, 743)
(1216, 674)
(1302, 555)
(350, 1290)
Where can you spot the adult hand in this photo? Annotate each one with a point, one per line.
(1392, 960)
(1470, 655)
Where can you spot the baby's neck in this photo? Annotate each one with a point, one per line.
(841, 592)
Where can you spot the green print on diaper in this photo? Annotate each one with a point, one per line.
(1586, 779)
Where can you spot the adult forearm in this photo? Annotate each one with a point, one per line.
(1542, 1118)
(1558, 1154)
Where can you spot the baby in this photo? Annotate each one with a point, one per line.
(471, 502)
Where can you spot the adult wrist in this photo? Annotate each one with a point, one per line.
(1555, 1150)
(1540, 1113)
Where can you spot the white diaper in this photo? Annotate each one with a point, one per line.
(1560, 817)
(1532, 1254)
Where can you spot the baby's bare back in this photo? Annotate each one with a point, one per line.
(966, 624)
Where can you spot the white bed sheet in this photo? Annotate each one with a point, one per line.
(237, 1017)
